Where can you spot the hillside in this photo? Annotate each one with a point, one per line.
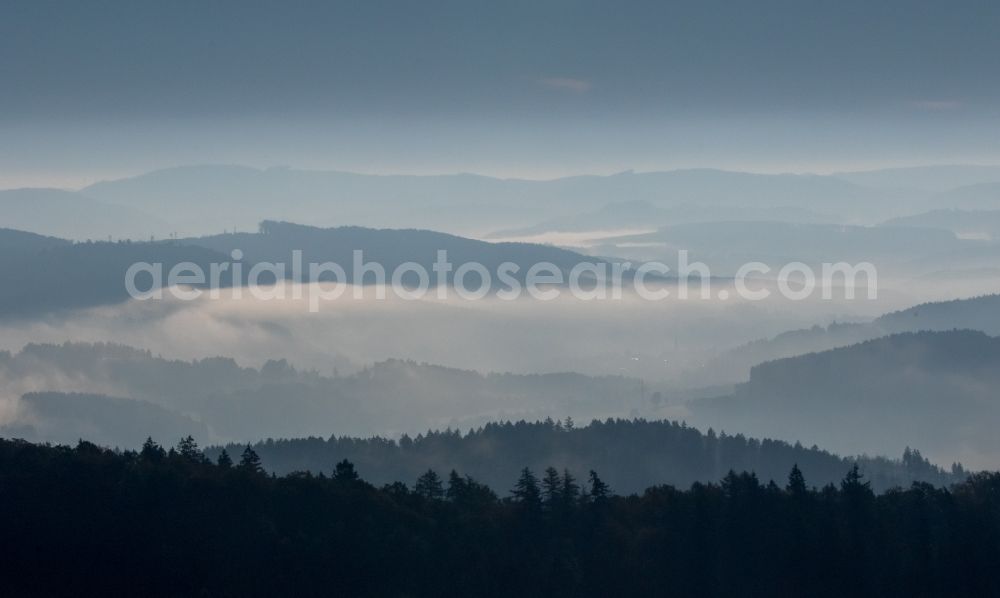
(933, 178)
(390, 248)
(65, 418)
(45, 275)
(980, 196)
(244, 403)
(18, 243)
(976, 313)
(984, 224)
(44, 267)
(932, 389)
(630, 454)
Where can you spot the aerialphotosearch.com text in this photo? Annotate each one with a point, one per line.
(321, 282)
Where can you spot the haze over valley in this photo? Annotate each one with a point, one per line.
(663, 358)
(459, 298)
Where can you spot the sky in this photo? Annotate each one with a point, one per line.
(531, 89)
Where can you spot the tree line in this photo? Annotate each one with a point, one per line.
(633, 454)
(158, 522)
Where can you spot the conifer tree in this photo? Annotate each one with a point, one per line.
(429, 486)
(344, 471)
(526, 491)
(250, 461)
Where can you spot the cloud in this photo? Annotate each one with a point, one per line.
(566, 84)
(526, 336)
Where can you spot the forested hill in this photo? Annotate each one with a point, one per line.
(976, 313)
(47, 274)
(240, 403)
(216, 400)
(44, 274)
(937, 389)
(631, 454)
(390, 248)
(18, 243)
(90, 522)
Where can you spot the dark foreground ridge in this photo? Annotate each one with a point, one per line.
(91, 521)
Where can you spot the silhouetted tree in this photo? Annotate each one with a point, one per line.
(151, 451)
(456, 487)
(429, 486)
(85, 516)
(796, 482)
(570, 492)
(188, 450)
(224, 461)
(526, 491)
(250, 461)
(468, 492)
(599, 491)
(852, 484)
(551, 487)
(344, 472)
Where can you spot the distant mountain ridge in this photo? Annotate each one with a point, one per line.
(46, 267)
(981, 196)
(46, 275)
(976, 313)
(390, 248)
(207, 199)
(933, 178)
(200, 200)
(976, 223)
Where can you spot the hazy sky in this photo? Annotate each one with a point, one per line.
(527, 88)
